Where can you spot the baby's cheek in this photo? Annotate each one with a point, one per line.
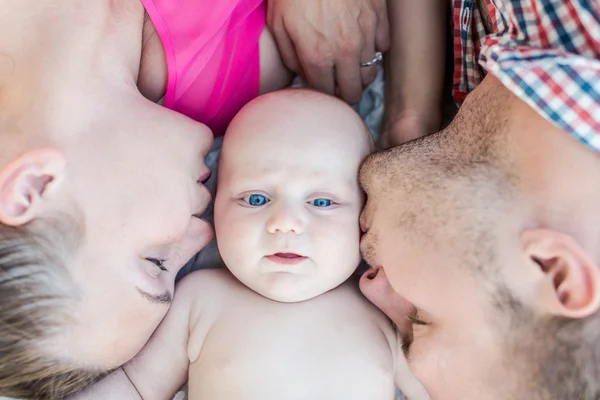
(349, 234)
(336, 233)
(227, 226)
(239, 237)
(340, 243)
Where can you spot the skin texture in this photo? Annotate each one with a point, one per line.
(80, 140)
(479, 236)
(231, 341)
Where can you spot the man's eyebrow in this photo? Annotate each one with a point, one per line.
(164, 298)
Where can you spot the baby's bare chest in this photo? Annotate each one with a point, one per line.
(257, 349)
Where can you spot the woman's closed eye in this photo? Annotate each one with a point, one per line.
(159, 263)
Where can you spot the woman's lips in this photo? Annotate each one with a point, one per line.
(286, 258)
(204, 177)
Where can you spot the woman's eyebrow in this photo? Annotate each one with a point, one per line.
(164, 298)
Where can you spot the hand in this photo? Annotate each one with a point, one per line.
(325, 41)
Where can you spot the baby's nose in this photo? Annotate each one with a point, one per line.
(285, 219)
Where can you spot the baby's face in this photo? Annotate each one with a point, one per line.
(288, 202)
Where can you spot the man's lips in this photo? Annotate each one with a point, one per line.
(286, 258)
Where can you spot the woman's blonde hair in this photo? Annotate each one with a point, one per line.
(36, 296)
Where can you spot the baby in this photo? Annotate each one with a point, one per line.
(280, 323)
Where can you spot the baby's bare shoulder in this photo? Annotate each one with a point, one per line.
(350, 304)
(348, 295)
(208, 293)
(346, 303)
(207, 284)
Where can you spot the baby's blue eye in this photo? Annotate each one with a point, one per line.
(321, 202)
(256, 200)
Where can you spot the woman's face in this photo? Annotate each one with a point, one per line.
(136, 181)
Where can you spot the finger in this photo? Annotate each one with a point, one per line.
(271, 14)
(382, 33)
(368, 23)
(347, 67)
(317, 67)
(286, 47)
(320, 77)
(349, 81)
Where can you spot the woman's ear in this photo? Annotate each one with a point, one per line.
(569, 283)
(25, 182)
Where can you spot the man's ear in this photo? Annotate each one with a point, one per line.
(25, 184)
(569, 283)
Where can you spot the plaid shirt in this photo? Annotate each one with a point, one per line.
(547, 52)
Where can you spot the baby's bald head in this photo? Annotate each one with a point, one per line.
(297, 121)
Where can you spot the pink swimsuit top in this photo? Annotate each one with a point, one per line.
(212, 55)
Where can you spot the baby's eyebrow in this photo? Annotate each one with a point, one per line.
(164, 298)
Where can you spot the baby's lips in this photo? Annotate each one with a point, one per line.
(288, 255)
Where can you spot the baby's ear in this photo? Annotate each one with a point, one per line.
(25, 184)
(569, 284)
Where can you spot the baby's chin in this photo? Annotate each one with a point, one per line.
(290, 288)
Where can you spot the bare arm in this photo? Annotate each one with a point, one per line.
(116, 386)
(414, 69)
(161, 367)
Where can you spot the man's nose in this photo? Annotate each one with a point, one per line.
(375, 286)
(284, 219)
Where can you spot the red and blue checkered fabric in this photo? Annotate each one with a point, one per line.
(547, 52)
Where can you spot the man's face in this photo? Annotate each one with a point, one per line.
(427, 280)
